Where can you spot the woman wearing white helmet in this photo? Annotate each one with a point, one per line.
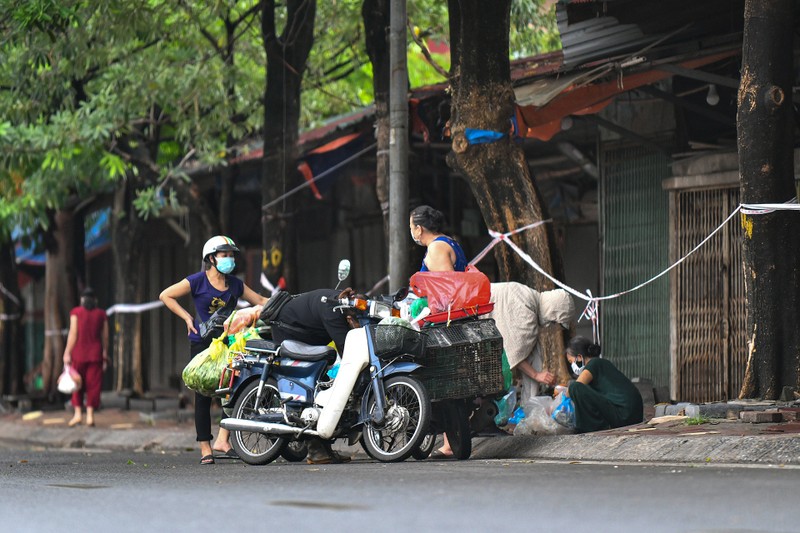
(211, 289)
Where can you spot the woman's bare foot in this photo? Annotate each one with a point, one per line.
(74, 421)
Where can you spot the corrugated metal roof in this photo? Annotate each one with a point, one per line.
(599, 37)
(593, 30)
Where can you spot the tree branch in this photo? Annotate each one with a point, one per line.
(427, 52)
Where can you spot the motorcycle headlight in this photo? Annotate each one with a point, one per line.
(380, 310)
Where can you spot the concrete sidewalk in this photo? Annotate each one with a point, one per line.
(772, 438)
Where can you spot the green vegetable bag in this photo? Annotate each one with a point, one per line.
(203, 371)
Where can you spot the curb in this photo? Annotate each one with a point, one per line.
(701, 449)
(773, 450)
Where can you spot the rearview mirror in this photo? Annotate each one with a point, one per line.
(400, 294)
(344, 269)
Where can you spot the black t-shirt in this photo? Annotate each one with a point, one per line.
(311, 320)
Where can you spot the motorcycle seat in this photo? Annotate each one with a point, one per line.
(301, 351)
(260, 345)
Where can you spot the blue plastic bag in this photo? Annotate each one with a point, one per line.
(564, 412)
(505, 407)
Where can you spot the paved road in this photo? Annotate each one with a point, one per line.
(121, 492)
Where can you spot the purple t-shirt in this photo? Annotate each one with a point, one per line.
(208, 300)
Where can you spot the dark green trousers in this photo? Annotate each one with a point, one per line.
(594, 412)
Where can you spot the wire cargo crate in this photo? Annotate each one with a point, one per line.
(462, 360)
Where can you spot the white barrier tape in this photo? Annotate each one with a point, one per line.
(497, 237)
(763, 209)
(572, 291)
(9, 294)
(133, 308)
(9, 318)
(56, 332)
(592, 313)
(267, 285)
(141, 308)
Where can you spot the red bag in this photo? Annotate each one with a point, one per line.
(450, 291)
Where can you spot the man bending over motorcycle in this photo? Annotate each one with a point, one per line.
(309, 318)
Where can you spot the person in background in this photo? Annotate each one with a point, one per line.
(604, 397)
(87, 352)
(211, 289)
(516, 305)
(444, 255)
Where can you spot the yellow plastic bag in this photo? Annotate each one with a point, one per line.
(204, 370)
(237, 341)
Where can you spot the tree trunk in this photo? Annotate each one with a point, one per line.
(60, 293)
(483, 98)
(12, 340)
(765, 129)
(375, 14)
(286, 63)
(126, 236)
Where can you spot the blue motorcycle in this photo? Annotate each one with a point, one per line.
(277, 392)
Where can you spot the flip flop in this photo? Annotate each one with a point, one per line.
(207, 460)
(230, 454)
(437, 455)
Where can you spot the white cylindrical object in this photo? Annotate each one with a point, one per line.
(354, 359)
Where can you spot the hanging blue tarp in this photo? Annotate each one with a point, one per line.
(98, 237)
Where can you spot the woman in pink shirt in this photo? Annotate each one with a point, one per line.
(87, 352)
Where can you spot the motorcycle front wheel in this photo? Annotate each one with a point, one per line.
(257, 448)
(407, 417)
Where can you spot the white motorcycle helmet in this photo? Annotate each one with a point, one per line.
(218, 243)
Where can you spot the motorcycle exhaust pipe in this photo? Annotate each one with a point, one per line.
(266, 428)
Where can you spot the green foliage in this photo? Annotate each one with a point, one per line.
(697, 420)
(533, 28)
(93, 93)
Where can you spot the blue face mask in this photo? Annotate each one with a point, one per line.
(226, 264)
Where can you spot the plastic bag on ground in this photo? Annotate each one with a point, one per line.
(505, 407)
(564, 411)
(204, 370)
(538, 419)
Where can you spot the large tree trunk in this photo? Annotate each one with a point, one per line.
(126, 236)
(286, 63)
(765, 129)
(483, 98)
(64, 242)
(375, 14)
(12, 309)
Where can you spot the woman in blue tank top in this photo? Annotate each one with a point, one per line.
(444, 253)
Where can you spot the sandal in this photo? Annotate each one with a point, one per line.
(207, 460)
(438, 455)
(230, 454)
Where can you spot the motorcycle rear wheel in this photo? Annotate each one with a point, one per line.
(408, 414)
(257, 448)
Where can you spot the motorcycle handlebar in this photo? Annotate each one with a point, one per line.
(371, 307)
